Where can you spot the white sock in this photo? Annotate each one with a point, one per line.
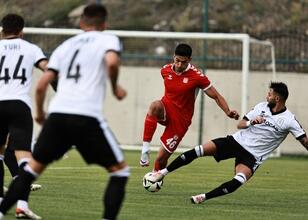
(21, 204)
(145, 147)
(164, 171)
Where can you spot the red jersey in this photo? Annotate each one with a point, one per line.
(181, 89)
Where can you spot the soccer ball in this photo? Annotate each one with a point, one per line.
(149, 185)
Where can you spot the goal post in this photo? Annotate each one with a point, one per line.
(244, 50)
(245, 39)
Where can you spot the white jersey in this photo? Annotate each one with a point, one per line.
(17, 59)
(79, 62)
(261, 139)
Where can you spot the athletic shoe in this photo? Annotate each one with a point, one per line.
(156, 177)
(35, 187)
(197, 199)
(145, 159)
(26, 214)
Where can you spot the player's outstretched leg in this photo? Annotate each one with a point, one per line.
(182, 160)
(224, 189)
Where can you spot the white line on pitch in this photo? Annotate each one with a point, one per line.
(79, 168)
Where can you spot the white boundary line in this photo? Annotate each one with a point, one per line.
(153, 148)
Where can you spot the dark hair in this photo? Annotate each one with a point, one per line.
(94, 14)
(281, 89)
(12, 24)
(183, 50)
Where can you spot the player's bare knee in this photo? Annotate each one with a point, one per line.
(156, 109)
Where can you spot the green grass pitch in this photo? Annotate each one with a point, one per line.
(72, 190)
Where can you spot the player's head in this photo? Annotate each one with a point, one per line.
(183, 50)
(278, 93)
(181, 57)
(12, 24)
(94, 16)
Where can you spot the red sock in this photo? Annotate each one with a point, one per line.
(150, 124)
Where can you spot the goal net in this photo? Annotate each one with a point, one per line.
(239, 66)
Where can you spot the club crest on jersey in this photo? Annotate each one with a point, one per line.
(170, 77)
(280, 121)
(185, 80)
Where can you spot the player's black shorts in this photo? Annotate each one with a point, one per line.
(227, 148)
(92, 139)
(16, 121)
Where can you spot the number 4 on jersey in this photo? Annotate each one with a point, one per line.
(70, 75)
(7, 77)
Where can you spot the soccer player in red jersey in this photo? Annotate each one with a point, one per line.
(175, 109)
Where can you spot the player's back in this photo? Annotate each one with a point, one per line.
(82, 74)
(17, 59)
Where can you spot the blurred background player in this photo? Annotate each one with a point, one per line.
(17, 59)
(262, 131)
(175, 110)
(83, 64)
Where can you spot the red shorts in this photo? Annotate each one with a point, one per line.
(175, 128)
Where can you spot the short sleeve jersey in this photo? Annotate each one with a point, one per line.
(17, 59)
(79, 62)
(261, 139)
(182, 89)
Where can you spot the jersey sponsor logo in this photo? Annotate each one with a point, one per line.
(271, 125)
(170, 77)
(185, 80)
(266, 122)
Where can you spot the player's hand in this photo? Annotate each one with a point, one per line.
(257, 120)
(120, 92)
(233, 114)
(40, 117)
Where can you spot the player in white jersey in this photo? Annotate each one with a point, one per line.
(83, 63)
(261, 131)
(17, 59)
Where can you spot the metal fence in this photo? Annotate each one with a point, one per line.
(291, 49)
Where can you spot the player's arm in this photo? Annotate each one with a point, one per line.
(42, 65)
(112, 61)
(221, 102)
(245, 122)
(304, 141)
(40, 94)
